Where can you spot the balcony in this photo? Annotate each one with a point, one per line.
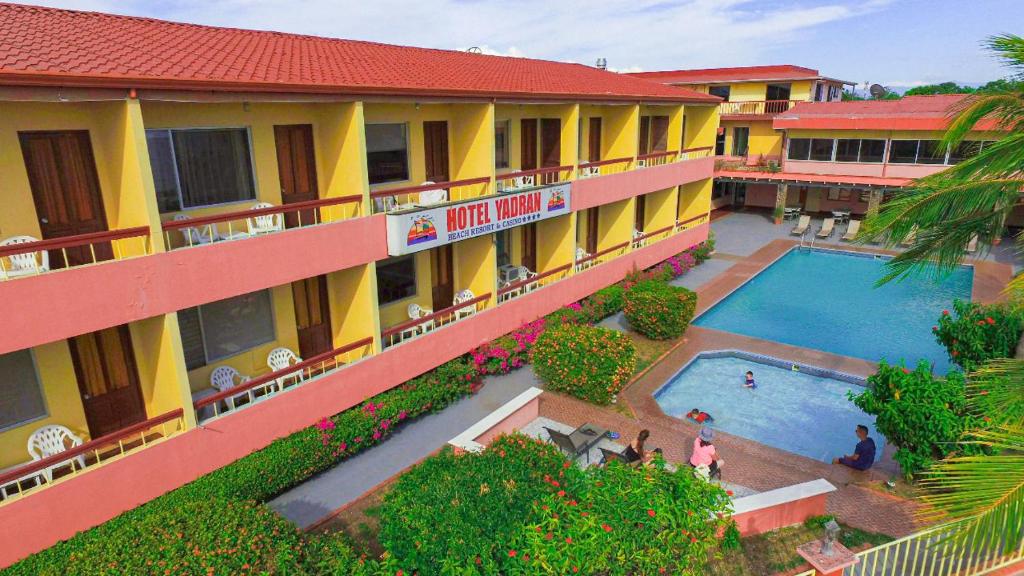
(755, 110)
(607, 181)
(429, 194)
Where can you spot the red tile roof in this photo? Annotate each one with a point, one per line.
(796, 177)
(47, 46)
(907, 113)
(738, 74)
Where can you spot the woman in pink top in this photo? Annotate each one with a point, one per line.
(704, 453)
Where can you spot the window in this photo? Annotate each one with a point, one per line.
(200, 167)
(929, 152)
(818, 92)
(503, 243)
(821, 149)
(834, 93)
(964, 150)
(501, 134)
(799, 149)
(777, 92)
(21, 397)
(855, 150)
(226, 327)
(396, 279)
(387, 152)
(740, 140)
(720, 91)
(903, 151)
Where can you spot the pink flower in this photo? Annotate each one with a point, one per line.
(325, 424)
(376, 434)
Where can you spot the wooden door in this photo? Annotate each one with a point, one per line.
(108, 380)
(592, 229)
(550, 147)
(645, 136)
(594, 140)
(640, 216)
(442, 277)
(312, 316)
(66, 191)
(528, 146)
(528, 233)
(296, 168)
(659, 133)
(435, 150)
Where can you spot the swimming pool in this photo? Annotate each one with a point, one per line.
(805, 411)
(826, 300)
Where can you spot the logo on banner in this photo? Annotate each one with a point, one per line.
(422, 230)
(556, 201)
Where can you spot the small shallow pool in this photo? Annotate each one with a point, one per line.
(805, 412)
(826, 300)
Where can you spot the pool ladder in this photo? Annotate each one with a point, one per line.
(803, 242)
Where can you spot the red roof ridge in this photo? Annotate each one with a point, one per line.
(777, 67)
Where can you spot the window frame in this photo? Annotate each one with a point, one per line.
(859, 159)
(727, 87)
(789, 148)
(832, 153)
(42, 394)
(508, 141)
(415, 282)
(202, 329)
(408, 158)
(893, 141)
(177, 174)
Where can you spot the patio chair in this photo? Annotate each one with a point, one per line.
(462, 297)
(192, 235)
(851, 230)
(266, 223)
(523, 182)
(612, 456)
(972, 245)
(590, 171)
(415, 312)
(577, 442)
(54, 439)
(280, 359)
(638, 239)
(582, 255)
(908, 240)
(225, 378)
(26, 263)
(827, 227)
(526, 274)
(802, 224)
(429, 197)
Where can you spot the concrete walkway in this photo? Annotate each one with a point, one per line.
(318, 497)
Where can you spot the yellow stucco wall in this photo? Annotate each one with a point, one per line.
(616, 223)
(763, 139)
(701, 126)
(569, 114)
(659, 209)
(555, 242)
(695, 199)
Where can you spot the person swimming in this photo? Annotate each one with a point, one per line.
(748, 382)
(700, 417)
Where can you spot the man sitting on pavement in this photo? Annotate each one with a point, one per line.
(863, 455)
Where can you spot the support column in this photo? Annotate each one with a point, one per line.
(874, 201)
(781, 191)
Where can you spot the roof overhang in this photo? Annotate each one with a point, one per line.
(815, 179)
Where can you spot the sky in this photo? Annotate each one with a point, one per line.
(896, 43)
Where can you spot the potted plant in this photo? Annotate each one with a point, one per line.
(778, 213)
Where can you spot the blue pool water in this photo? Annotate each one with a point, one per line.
(793, 411)
(826, 300)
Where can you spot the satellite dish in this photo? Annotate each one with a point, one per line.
(602, 63)
(474, 50)
(877, 91)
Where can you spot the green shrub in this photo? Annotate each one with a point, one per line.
(659, 311)
(923, 416)
(979, 332)
(452, 509)
(588, 362)
(603, 303)
(731, 537)
(571, 314)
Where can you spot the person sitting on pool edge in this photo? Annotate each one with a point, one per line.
(699, 417)
(749, 381)
(704, 455)
(863, 455)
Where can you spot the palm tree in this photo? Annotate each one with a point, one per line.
(947, 209)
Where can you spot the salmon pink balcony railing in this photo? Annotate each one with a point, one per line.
(523, 179)
(23, 256)
(584, 261)
(429, 194)
(641, 240)
(756, 108)
(185, 232)
(604, 167)
(513, 290)
(691, 223)
(39, 474)
(433, 321)
(269, 385)
(694, 153)
(655, 158)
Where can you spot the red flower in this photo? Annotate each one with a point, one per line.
(565, 464)
(549, 536)
(399, 573)
(568, 540)
(561, 493)
(512, 553)
(651, 513)
(983, 392)
(729, 492)
(606, 527)
(990, 320)
(945, 312)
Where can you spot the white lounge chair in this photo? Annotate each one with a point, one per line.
(266, 223)
(225, 378)
(281, 359)
(972, 245)
(801, 225)
(461, 298)
(827, 227)
(26, 263)
(54, 439)
(851, 230)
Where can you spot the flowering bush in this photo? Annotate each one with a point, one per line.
(588, 362)
(509, 352)
(976, 332)
(923, 416)
(659, 311)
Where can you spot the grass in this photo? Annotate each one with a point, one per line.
(775, 552)
(647, 350)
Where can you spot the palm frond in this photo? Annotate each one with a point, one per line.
(1010, 49)
(997, 390)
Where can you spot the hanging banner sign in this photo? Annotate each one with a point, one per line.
(426, 228)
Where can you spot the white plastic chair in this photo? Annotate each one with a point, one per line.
(415, 312)
(281, 359)
(641, 163)
(462, 297)
(225, 378)
(266, 223)
(430, 197)
(53, 439)
(638, 239)
(581, 255)
(590, 171)
(192, 235)
(526, 274)
(26, 263)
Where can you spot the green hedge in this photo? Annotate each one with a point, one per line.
(588, 362)
(659, 311)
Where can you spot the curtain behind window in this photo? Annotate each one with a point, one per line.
(214, 166)
(21, 398)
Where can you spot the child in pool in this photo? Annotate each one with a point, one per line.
(700, 417)
(749, 381)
